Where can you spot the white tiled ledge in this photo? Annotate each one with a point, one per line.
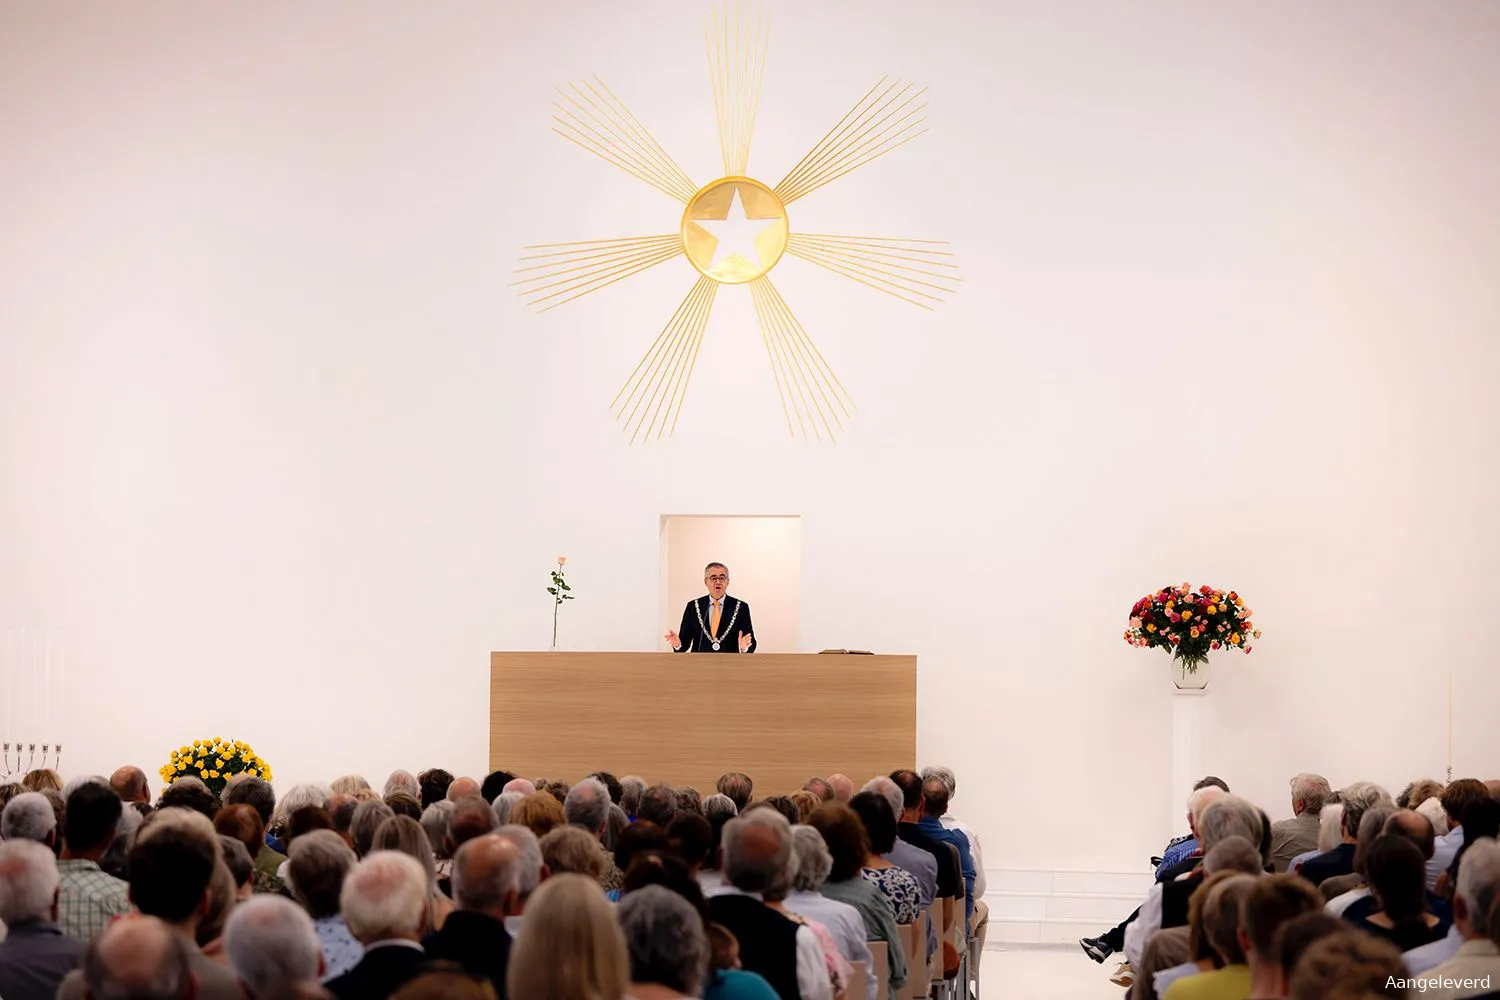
(1058, 907)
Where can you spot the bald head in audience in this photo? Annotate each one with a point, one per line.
(843, 788)
(462, 788)
(129, 784)
(487, 876)
(819, 787)
(138, 957)
(1414, 827)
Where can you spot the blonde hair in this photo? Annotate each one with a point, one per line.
(806, 802)
(571, 948)
(40, 781)
(574, 849)
(539, 812)
(349, 784)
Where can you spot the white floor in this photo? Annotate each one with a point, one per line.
(1042, 972)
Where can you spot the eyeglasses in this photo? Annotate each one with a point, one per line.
(718, 579)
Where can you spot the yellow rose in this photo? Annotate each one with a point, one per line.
(1150, 628)
(202, 774)
(1235, 638)
(1187, 615)
(197, 743)
(1170, 605)
(1212, 609)
(218, 762)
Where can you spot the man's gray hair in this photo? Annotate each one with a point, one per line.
(271, 943)
(1436, 815)
(631, 787)
(719, 806)
(320, 861)
(166, 977)
(666, 939)
(367, 819)
(435, 821)
(531, 857)
(28, 881)
(503, 804)
(254, 792)
(1357, 798)
(943, 774)
(79, 782)
(1201, 798)
(1230, 816)
(28, 816)
(1313, 791)
(890, 791)
(384, 897)
(404, 782)
(1235, 854)
(1479, 882)
(757, 870)
(300, 797)
(810, 858)
(478, 885)
(587, 805)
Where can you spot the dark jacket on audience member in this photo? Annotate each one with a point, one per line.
(1339, 861)
(950, 879)
(768, 940)
(1174, 899)
(475, 941)
(383, 971)
(34, 959)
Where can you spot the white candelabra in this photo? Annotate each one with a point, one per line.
(31, 661)
(26, 761)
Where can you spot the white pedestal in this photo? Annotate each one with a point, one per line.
(1188, 711)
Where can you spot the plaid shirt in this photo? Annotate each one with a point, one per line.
(88, 899)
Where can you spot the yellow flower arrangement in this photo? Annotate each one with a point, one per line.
(214, 761)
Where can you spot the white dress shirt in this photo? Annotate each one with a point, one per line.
(1146, 923)
(1477, 962)
(812, 967)
(975, 851)
(844, 923)
(1443, 850)
(1336, 906)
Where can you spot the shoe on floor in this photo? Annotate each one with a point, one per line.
(1096, 948)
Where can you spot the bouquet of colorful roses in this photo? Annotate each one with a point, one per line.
(1191, 623)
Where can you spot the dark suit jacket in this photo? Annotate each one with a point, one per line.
(475, 941)
(380, 973)
(1339, 861)
(734, 619)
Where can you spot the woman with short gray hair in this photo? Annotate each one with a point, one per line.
(811, 863)
(435, 822)
(666, 941)
(502, 806)
(319, 864)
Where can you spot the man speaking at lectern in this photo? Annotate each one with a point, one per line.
(714, 623)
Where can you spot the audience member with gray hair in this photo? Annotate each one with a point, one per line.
(1299, 834)
(404, 783)
(84, 779)
(138, 957)
(658, 805)
(666, 939)
(463, 788)
(587, 807)
(529, 873)
(520, 786)
(1356, 799)
(385, 903)
(504, 803)
(757, 859)
(631, 787)
(114, 860)
(320, 863)
(368, 816)
(811, 864)
(1234, 854)
(979, 913)
(1341, 890)
(486, 879)
(29, 816)
(435, 820)
(1476, 903)
(271, 944)
(35, 956)
(300, 797)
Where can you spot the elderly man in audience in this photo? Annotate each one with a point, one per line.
(35, 955)
(89, 899)
(403, 783)
(573, 849)
(1371, 827)
(435, 822)
(384, 902)
(631, 787)
(519, 786)
(1456, 800)
(950, 880)
(843, 788)
(188, 792)
(530, 873)
(1355, 799)
(1477, 959)
(1270, 903)
(462, 788)
(935, 796)
(667, 942)
(172, 868)
(658, 805)
(811, 864)
(1356, 902)
(129, 783)
(29, 816)
(819, 787)
(587, 807)
(757, 852)
(368, 817)
(1298, 835)
(738, 787)
(486, 881)
(905, 891)
(136, 957)
(978, 911)
(272, 946)
(320, 862)
(1167, 902)
(258, 793)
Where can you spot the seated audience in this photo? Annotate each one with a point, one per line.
(504, 804)
(1269, 905)
(243, 823)
(738, 788)
(493, 785)
(29, 816)
(819, 787)
(433, 785)
(658, 805)
(531, 873)
(486, 879)
(1396, 875)
(587, 808)
(463, 788)
(368, 817)
(688, 800)
(615, 825)
(129, 783)
(258, 793)
(1218, 931)
(1456, 799)
(805, 802)
(271, 945)
(1299, 835)
(439, 983)
(188, 792)
(1346, 966)
(42, 780)
(88, 899)
(574, 850)
(631, 787)
(320, 863)
(385, 902)
(1356, 799)
(540, 812)
(691, 838)
(1418, 792)
(843, 788)
(1371, 827)
(1476, 904)
(571, 945)
(849, 850)
(135, 957)
(666, 942)
(1359, 903)
(403, 782)
(348, 784)
(404, 834)
(35, 955)
(241, 868)
(897, 884)
(405, 805)
(878, 822)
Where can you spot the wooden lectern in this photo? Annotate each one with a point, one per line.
(685, 719)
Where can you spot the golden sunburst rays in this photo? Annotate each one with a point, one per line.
(814, 402)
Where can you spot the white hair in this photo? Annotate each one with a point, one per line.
(943, 774)
(1357, 798)
(1230, 816)
(1330, 826)
(28, 816)
(719, 805)
(760, 873)
(1479, 882)
(28, 881)
(890, 791)
(300, 797)
(665, 938)
(531, 857)
(587, 805)
(1436, 815)
(405, 782)
(435, 821)
(810, 858)
(385, 896)
(79, 782)
(1201, 799)
(503, 804)
(519, 786)
(271, 943)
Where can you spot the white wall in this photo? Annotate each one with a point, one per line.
(765, 556)
(285, 457)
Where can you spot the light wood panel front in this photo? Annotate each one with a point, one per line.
(685, 719)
